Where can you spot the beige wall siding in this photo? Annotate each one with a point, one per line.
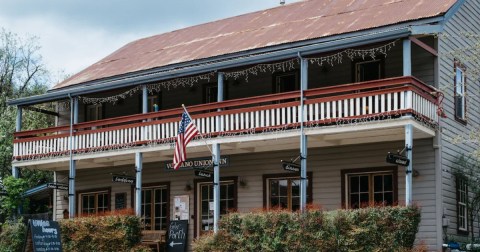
(324, 163)
(466, 19)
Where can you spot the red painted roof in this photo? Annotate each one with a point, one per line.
(284, 24)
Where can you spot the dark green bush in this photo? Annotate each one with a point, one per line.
(12, 236)
(105, 233)
(368, 229)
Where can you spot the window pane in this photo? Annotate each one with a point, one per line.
(274, 187)
(283, 202)
(354, 201)
(388, 182)
(388, 198)
(283, 184)
(354, 184)
(295, 187)
(274, 202)
(295, 203)
(364, 184)
(378, 183)
(364, 200)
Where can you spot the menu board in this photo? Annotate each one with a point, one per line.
(43, 235)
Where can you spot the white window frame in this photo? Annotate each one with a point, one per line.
(460, 92)
(462, 202)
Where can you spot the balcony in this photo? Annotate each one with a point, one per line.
(349, 105)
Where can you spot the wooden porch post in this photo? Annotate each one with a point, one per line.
(407, 71)
(216, 161)
(303, 137)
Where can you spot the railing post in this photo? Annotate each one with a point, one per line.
(143, 129)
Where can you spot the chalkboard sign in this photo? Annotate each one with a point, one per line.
(177, 235)
(43, 235)
(120, 200)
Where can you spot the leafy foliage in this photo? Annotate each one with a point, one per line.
(102, 233)
(14, 189)
(22, 74)
(12, 236)
(369, 229)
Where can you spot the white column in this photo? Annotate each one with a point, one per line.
(216, 161)
(303, 137)
(216, 185)
(409, 169)
(72, 163)
(138, 181)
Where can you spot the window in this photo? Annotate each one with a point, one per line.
(92, 203)
(153, 100)
(205, 205)
(365, 187)
(460, 101)
(462, 204)
(283, 191)
(286, 82)
(210, 93)
(368, 70)
(94, 112)
(155, 201)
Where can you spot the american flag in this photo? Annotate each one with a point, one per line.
(186, 131)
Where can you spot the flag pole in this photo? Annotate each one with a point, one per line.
(201, 135)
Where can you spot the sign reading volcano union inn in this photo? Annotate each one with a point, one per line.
(196, 163)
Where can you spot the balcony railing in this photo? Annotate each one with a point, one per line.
(323, 106)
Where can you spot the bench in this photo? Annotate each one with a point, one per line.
(154, 237)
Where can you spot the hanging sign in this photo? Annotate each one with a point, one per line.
(203, 173)
(289, 166)
(198, 163)
(397, 159)
(123, 179)
(58, 186)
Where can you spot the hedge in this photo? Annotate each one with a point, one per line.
(12, 236)
(367, 229)
(102, 233)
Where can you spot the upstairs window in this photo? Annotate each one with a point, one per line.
(94, 112)
(460, 101)
(153, 102)
(286, 82)
(368, 70)
(210, 93)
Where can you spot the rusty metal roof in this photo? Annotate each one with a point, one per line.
(294, 22)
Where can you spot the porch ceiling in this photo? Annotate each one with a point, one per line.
(369, 132)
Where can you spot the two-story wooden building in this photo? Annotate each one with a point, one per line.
(339, 84)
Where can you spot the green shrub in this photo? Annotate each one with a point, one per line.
(12, 236)
(105, 233)
(368, 229)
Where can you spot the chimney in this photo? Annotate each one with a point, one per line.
(282, 2)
